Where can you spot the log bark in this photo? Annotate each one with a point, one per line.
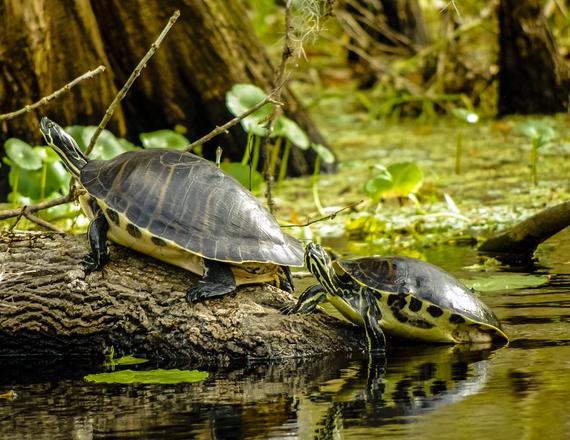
(518, 243)
(50, 307)
(533, 77)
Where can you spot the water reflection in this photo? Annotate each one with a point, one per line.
(297, 398)
(417, 380)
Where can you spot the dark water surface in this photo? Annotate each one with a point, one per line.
(422, 392)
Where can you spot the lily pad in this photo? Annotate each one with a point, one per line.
(22, 154)
(164, 139)
(243, 97)
(158, 376)
(506, 282)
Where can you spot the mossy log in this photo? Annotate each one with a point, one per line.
(518, 243)
(137, 305)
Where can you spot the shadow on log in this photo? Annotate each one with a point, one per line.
(49, 307)
(517, 244)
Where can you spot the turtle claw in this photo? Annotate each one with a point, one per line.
(93, 262)
(206, 290)
(288, 310)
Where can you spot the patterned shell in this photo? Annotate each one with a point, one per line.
(181, 197)
(424, 280)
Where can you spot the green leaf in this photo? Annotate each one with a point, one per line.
(324, 153)
(505, 281)
(243, 97)
(465, 115)
(285, 127)
(107, 145)
(164, 139)
(537, 130)
(28, 182)
(398, 180)
(240, 172)
(22, 154)
(158, 376)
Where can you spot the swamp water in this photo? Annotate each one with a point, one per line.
(422, 392)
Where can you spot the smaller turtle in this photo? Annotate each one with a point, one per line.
(405, 297)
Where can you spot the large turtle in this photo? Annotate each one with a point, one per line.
(405, 297)
(181, 209)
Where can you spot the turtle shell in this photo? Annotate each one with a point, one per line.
(183, 198)
(421, 279)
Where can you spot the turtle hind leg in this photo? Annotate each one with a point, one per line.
(286, 281)
(218, 280)
(97, 234)
(308, 301)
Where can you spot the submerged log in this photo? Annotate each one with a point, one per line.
(518, 243)
(137, 305)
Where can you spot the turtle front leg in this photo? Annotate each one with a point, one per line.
(97, 234)
(308, 300)
(218, 280)
(372, 316)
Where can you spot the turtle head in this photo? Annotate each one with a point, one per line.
(64, 145)
(320, 265)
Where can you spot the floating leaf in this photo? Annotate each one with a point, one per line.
(164, 139)
(324, 153)
(241, 173)
(285, 127)
(506, 282)
(158, 376)
(243, 97)
(22, 154)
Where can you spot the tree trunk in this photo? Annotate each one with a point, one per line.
(533, 78)
(405, 17)
(517, 244)
(49, 307)
(45, 43)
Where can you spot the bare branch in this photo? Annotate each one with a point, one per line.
(279, 82)
(224, 128)
(119, 97)
(54, 95)
(9, 213)
(327, 217)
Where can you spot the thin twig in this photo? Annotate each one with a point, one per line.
(40, 221)
(9, 213)
(54, 95)
(279, 82)
(327, 217)
(224, 128)
(119, 97)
